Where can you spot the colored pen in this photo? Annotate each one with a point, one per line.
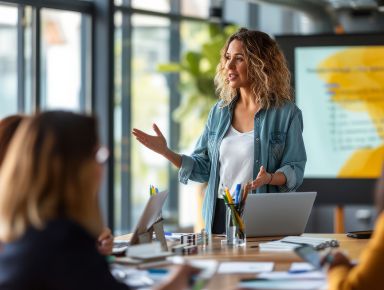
(157, 271)
(237, 193)
(299, 271)
(228, 195)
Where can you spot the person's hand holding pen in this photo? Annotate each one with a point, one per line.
(105, 242)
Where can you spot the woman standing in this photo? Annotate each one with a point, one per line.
(253, 133)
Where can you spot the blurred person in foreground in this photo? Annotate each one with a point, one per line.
(8, 127)
(49, 208)
(368, 273)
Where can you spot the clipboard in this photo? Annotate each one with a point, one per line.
(151, 220)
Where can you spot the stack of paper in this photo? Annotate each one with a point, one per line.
(277, 246)
(291, 242)
(318, 243)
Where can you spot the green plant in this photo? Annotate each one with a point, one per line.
(197, 71)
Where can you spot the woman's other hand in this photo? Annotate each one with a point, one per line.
(156, 143)
(105, 242)
(263, 177)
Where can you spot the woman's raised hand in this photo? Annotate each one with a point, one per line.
(156, 143)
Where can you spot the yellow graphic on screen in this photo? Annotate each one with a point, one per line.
(355, 80)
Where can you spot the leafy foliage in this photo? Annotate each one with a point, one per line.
(197, 71)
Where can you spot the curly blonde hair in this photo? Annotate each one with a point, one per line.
(266, 68)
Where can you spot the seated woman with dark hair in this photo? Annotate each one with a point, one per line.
(367, 274)
(8, 127)
(49, 208)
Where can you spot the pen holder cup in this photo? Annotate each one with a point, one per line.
(234, 225)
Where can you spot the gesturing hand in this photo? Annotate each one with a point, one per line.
(263, 177)
(156, 143)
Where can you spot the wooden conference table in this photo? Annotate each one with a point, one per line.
(282, 260)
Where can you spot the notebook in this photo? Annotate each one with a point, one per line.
(291, 242)
(277, 214)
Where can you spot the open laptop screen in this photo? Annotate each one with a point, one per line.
(151, 213)
(277, 214)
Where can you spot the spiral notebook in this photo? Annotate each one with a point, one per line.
(291, 242)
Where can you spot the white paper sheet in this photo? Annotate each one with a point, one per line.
(284, 285)
(245, 267)
(311, 275)
(301, 267)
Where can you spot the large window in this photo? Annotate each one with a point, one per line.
(196, 8)
(145, 37)
(45, 56)
(193, 36)
(150, 104)
(47, 62)
(61, 59)
(8, 60)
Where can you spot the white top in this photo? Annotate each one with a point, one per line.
(236, 159)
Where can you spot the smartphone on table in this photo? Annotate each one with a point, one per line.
(360, 234)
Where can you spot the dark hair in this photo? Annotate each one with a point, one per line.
(8, 128)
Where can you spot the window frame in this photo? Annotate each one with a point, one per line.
(99, 65)
(175, 18)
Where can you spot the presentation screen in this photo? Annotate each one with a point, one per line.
(339, 86)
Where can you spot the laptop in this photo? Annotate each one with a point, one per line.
(277, 214)
(150, 214)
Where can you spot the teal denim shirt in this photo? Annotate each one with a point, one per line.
(278, 145)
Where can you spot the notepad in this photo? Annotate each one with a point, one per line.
(147, 252)
(291, 242)
(283, 284)
(120, 246)
(244, 267)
